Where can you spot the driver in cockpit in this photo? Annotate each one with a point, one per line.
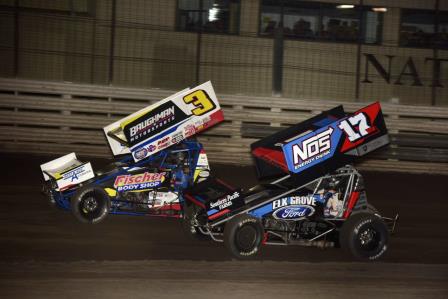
(331, 197)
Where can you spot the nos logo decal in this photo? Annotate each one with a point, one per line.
(295, 212)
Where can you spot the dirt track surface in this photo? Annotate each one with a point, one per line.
(46, 253)
(225, 279)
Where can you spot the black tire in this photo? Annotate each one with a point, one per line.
(90, 204)
(366, 209)
(188, 223)
(372, 209)
(364, 236)
(243, 235)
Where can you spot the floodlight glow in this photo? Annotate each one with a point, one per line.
(213, 14)
(345, 6)
(379, 9)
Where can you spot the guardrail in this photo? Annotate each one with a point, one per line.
(56, 118)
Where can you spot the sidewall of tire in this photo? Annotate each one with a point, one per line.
(78, 197)
(230, 232)
(349, 235)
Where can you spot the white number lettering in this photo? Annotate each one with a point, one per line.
(349, 127)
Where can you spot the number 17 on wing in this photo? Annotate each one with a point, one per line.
(356, 126)
(363, 126)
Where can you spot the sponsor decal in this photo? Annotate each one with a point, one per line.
(141, 153)
(140, 181)
(73, 175)
(163, 140)
(153, 122)
(294, 212)
(312, 148)
(189, 130)
(178, 137)
(225, 202)
(157, 198)
(151, 148)
(198, 125)
(202, 159)
(204, 173)
(202, 123)
(205, 122)
(308, 200)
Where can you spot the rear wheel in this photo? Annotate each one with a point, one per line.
(90, 204)
(364, 236)
(243, 235)
(372, 209)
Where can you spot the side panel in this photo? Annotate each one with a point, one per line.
(269, 157)
(60, 164)
(75, 176)
(68, 171)
(115, 134)
(312, 149)
(165, 123)
(325, 198)
(337, 143)
(216, 197)
(292, 207)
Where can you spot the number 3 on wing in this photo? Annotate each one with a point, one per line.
(201, 101)
(349, 126)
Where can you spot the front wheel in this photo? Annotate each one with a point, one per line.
(243, 235)
(90, 204)
(365, 236)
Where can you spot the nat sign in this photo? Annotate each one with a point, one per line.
(408, 70)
